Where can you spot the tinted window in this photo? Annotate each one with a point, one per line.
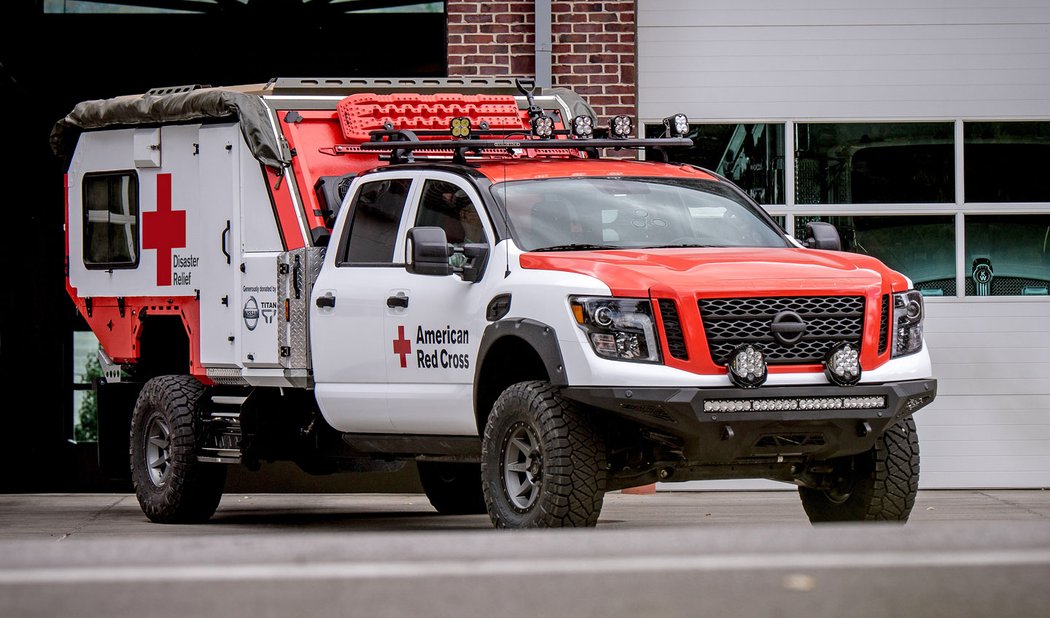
(449, 207)
(871, 163)
(921, 247)
(111, 220)
(1007, 255)
(1007, 161)
(376, 215)
(751, 155)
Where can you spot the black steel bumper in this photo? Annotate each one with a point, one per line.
(726, 425)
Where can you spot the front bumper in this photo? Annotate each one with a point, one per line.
(727, 425)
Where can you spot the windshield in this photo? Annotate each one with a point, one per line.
(561, 214)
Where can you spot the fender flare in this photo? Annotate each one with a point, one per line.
(541, 337)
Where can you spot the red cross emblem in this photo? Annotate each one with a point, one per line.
(402, 346)
(164, 229)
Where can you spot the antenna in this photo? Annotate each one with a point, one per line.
(506, 246)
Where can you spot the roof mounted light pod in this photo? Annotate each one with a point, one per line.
(621, 127)
(676, 126)
(583, 127)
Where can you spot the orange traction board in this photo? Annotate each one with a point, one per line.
(364, 112)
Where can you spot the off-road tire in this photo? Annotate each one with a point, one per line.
(452, 488)
(879, 485)
(566, 459)
(171, 485)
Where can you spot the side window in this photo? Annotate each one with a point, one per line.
(448, 207)
(376, 215)
(111, 220)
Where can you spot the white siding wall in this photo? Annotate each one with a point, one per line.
(775, 60)
(832, 59)
(990, 424)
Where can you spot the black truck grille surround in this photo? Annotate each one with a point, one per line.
(731, 322)
(884, 324)
(673, 329)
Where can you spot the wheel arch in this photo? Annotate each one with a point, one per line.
(514, 351)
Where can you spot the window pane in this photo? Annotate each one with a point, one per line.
(376, 216)
(1008, 255)
(111, 212)
(751, 155)
(631, 213)
(1006, 161)
(447, 206)
(865, 163)
(920, 247)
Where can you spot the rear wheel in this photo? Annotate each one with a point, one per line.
(452, 488)
(542, 461)
(880, 484)
(170, 484)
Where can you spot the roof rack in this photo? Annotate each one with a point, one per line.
(401, 144)
(348, 85)
(174, 89)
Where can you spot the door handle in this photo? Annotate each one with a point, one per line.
(397, 301)
(224, 237)
(326, 301)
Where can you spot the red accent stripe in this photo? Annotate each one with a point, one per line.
(280, 193)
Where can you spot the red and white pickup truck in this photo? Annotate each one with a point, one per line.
(355, 274)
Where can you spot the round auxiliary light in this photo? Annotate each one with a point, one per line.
(583, 127)
(747, 366)
(460, 127)
(842, 364)
(621, 127)
(543, 127)
(677, 125)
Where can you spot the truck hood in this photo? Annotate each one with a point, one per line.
(723, 271)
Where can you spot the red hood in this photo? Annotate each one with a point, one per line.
(722, 272)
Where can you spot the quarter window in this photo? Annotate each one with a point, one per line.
(111, 220)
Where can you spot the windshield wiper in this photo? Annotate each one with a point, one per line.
(577, 247)
(678, 245)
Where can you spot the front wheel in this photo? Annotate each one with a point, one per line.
(542, 461)
(171, 485)
(878, 485)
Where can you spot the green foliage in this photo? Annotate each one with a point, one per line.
(86, 429)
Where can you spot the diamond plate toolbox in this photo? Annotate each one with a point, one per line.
(297, 271)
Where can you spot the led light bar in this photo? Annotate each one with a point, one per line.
(867, 402)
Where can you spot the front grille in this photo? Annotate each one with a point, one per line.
(673, 329)
(731, 322)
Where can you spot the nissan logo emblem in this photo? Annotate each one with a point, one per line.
(787, 327)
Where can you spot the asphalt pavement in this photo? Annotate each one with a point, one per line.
(964, 553)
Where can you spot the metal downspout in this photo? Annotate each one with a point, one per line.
(543, 43)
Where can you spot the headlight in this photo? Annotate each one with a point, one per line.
(907, 322)
(618, 328)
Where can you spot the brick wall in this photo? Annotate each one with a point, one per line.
(593, 47)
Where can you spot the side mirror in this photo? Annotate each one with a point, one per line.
(820, 235)
(477, 256)
(429, 251)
